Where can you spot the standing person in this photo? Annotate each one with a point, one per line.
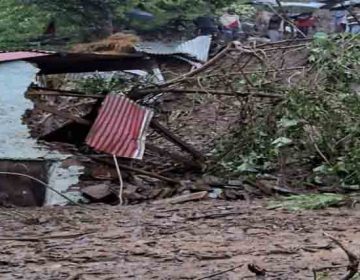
(322, 20)
(353, 20)
(340, 21)
(274, 28)
(230, 23)
(206, 25)
(50, 30)
(262, 22)
(305, 22)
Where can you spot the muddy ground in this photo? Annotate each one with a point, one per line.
(187, 241)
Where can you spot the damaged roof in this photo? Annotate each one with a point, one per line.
(6, 56)
(74, 62)
(63, 62)
(197, 48)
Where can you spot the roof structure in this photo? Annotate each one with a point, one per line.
(197, 48)
(58, 63)
(291, 5)
(22, 55)
(71, 62)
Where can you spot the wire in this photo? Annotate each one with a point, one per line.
(120, 180)
(41, 182)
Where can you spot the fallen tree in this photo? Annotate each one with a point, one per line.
(298, 105)
(290, 119)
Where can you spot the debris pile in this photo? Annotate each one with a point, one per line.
(208, 128)
(115, 44)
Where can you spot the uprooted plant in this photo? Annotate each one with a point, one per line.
(312, 134)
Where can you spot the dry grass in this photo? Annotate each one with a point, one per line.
(115, 44)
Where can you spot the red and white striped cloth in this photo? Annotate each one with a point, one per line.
(120, 128)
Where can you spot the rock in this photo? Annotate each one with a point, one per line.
(213, 181)
(105, 193)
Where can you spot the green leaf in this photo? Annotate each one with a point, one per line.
(281, 142)
(286, 123)
(308, 202)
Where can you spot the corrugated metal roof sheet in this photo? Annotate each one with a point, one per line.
(197, 48)
(120, 128)
(21, 55)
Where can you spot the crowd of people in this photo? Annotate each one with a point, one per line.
(275, 26)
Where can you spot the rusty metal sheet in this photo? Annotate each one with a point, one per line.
(120, 128)
(21, 55)
(59, 63)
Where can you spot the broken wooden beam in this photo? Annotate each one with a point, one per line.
(136, 95)
(158, 150)
(137, 170)
(213, 92)
(182, 198)
(64, 115)
(42, 91)
(156, 125)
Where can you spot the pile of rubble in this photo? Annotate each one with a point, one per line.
(194, 108)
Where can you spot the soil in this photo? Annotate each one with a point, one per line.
(210, 239)
(163, 241)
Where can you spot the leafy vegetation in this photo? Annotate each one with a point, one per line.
(309, 202)
(245, 11)
(101, 13)
(22, 25)
(315, 129)
(96, 84)
(19, 22)
(115, 82)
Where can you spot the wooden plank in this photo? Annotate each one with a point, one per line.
(64, 115)
(136, 170)
(34, 91)
(182, 198)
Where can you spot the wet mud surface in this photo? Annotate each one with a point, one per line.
(187, 241)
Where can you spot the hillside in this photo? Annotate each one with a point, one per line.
(18, 23)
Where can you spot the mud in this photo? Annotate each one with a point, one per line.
(188, 241)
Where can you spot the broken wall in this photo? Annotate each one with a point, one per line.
(17, 146)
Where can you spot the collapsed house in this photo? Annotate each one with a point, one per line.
(23, 156)
(36, 173)
(189, 113)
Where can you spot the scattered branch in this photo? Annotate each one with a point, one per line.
(220, 272)
(176, 140)
(354, 260)
(137, 170)
(44, 91)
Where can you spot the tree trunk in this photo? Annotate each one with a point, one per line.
(107, 26)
